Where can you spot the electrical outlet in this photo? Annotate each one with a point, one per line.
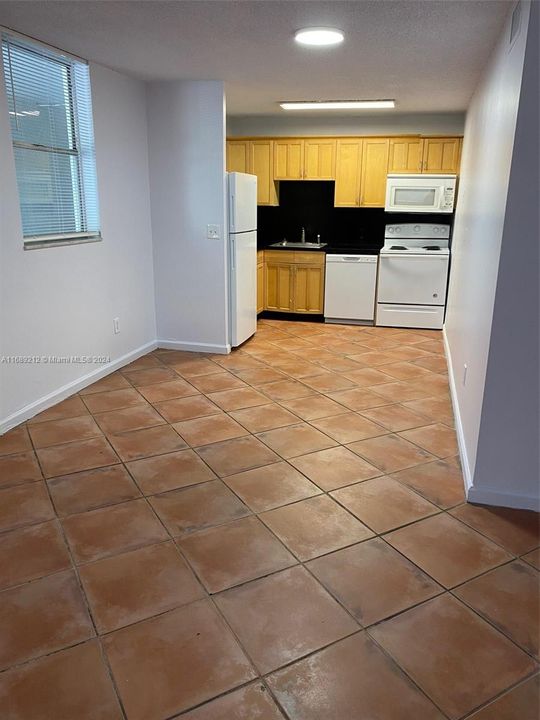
(116, 325)
(212, 232)
(464, 373)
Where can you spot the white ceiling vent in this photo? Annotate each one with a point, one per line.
(515, 24)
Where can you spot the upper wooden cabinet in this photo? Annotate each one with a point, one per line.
(238, 156)
(348, 168)
(289, 159)
(359, 165)
(257, 158)
(261, 157)
(405, 155)
(319, 159)
(361, 170)
(441, 155)
(374, 171)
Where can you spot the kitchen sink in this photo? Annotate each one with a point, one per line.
(299, 245)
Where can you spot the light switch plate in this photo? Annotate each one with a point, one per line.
(212, 232)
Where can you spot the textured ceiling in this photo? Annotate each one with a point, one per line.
(427, 54)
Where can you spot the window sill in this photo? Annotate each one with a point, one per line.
(61, 241)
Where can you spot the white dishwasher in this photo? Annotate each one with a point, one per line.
(350, 288)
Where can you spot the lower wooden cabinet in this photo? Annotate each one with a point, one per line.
(260, 281)
(308, 289)
(294, 281)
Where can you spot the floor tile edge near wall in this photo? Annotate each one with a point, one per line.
(194, 346)
(460, 436)
(47, 401)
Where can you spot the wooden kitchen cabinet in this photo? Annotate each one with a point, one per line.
(260, 281)
(278, 272)
(441, 155)
(348, 169)
(374, 171)
(294, 281)
(238, 156)
(289, 159)
(308, 289)
(361, 171)
(319, 158)
(257, 158)
(405, 155)
(261, 160)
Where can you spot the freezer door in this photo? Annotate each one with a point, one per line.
(412, 279)
(242, 202)
(243, 264)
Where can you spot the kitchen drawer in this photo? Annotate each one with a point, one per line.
(410, 316)
(305, 256)
(280, 256)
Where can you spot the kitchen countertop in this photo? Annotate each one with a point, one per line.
(330, 249)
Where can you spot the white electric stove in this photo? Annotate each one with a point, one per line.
(413, 275)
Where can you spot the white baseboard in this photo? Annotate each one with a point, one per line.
(485, 496)
(65, 391)
(194, 347)
(465, 465)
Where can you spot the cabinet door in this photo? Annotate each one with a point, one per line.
(260, 287)
(288, 159)
(238, 156)
(348, 168)
(319, 159)
(405, 155)
(441, 155)
(308, 289)
(374, 171)
(279, 286)
(261, 160)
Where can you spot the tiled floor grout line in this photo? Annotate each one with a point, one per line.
(506, 690)
(84, 598)
(210, 596)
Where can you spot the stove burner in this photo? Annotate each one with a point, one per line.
(431, 247)
(398, 247)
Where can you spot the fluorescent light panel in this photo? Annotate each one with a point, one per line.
(338, 105)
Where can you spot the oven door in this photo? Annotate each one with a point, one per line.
(419, 194)
(412, 279)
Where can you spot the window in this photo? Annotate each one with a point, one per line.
(53, 142)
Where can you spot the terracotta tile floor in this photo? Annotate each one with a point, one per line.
(279, 534)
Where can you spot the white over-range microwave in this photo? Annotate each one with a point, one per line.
(420, 193)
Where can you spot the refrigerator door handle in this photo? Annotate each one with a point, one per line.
(233, 254)
(231, 212)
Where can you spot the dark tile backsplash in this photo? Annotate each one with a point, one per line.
(310, 204)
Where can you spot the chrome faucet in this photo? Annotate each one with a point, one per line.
(303, 235)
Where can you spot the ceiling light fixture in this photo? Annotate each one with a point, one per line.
(319, 36)
(338, 105)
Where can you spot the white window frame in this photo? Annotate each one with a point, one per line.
(33, 242)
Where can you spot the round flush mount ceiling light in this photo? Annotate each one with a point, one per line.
(319, 36)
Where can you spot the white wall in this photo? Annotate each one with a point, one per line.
(507, 462)
(489, 253)
(62, 301)
(186, 124)
(371, 123)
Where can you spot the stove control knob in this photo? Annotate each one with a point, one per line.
(417, 228)
(391, 230)
(435, 229)
(398, 229)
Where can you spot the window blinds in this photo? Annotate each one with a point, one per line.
(53, 140)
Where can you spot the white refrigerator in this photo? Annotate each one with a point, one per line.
(242, 207)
